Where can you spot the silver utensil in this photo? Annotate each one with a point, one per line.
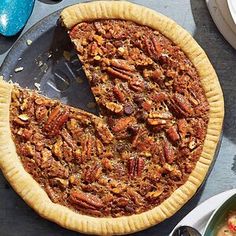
(186, 231)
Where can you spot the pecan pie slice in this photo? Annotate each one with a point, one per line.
(146, 154)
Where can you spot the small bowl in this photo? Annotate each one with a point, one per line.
(219, 216)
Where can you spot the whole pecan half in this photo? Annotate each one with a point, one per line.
(57, 118)
(181, 105)
(135, 167)
(118, 74)
(85, 200)
(169, 152)
(150, 48)
(122, 64)
(87, 147)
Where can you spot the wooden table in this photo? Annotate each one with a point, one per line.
(17, 219)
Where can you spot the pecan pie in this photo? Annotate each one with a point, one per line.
(148, 151)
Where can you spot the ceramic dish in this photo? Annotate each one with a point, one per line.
(200, 215)
(219, 217)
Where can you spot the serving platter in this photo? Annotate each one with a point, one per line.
(44, 57)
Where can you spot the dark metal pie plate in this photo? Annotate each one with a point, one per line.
(51, 61)
(44, 55)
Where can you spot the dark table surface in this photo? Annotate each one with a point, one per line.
(17, 219)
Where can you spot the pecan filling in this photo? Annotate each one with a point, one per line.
(154, 116)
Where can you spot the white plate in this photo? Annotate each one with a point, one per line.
(221, 15)
(232, 8)
(200, 215)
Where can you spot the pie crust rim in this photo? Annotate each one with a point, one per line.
(24, 184)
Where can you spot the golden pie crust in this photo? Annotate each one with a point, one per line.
(36, 197)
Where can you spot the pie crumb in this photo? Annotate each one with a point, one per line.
(37, 85)
(28, 42)
(40, 63)
(19, 69)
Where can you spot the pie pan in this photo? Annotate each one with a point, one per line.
(60, 87)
